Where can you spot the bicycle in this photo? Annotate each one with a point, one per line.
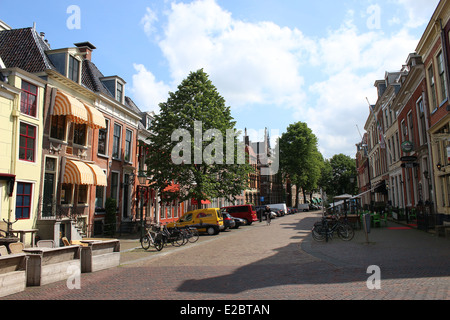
(324, 230)
(153, 238)
(174, 236)
(190, 233)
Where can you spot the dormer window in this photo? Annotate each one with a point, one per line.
(74, 69)
(116, 86)
(67, 62)
(119, 94)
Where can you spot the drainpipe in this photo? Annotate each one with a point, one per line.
(15, 117)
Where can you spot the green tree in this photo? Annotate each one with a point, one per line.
(300, 160)
(195, 145)
(343, 175)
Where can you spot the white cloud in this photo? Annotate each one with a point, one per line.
(322, 81)
(147, 91)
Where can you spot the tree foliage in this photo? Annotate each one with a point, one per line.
(300, 159)
(188, 147)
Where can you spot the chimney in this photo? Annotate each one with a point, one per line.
(85, 48)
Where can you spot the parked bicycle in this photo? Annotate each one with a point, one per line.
(190, 233)
(154, 238)
(173, 236)
(324, 230)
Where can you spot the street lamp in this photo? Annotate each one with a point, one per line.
(142, 179)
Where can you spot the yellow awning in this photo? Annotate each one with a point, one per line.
(78, 173)
(66, 105)
(95, 118)
(99, 175)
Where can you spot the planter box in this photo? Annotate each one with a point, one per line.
(99, 255)
(48, 265)
(13, 277)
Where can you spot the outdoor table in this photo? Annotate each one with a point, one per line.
(25, 231)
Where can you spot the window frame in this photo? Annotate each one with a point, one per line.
(30, 202)
(106, 140)
(71, 69)
(27, 137)
(119, 142)
(76, 136)
(128, 152)
(26, 92)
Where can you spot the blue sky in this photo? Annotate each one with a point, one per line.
(275, 62)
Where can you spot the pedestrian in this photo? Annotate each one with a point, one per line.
(268, 217)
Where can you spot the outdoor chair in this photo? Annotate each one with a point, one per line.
(3, 251)
(16, 247)
(45, 244)
(65, 241)
(376, 219)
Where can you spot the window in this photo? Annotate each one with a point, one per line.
(116, 141)
(49, 187)
(79, 134)
(27, 142)
(23, 200)
(422, 123)
(28, 99)
(74, 68)
(115, 186)
(82, 194)
(119, 92)
(58, 127)
(432, 88)
(443, 81)
(128, 145)
(103, 139)
(66, 193)
(410, 126)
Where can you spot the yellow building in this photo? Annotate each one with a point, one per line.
(21, 128)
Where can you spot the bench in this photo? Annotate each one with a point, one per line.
(48, 265)
(12, 273)
(99, 255)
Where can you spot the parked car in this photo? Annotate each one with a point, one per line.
(245, 211)
(279, 206)
(205, 220)
(239, 222)
(303, 207)
(228, 221)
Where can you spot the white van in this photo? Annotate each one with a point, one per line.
(280, 206)
(303, 207)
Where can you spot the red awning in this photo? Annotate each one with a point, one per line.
(195, 202)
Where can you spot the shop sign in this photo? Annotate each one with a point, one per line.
(407, 146)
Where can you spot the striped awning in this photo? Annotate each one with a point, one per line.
(79, 173)
(66, 105)
(95, 118)
(99, 175)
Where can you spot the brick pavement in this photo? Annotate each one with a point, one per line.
(279, 262)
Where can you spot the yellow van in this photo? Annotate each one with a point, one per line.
(205, 220)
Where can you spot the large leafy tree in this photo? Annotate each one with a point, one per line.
(300, 160)
(195, 145)
(343, 175)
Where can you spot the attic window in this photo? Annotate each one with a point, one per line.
(119, 93)
(74, 69)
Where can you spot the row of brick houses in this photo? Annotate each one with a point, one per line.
(403, 158)
(71, 139)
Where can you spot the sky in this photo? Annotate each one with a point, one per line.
(274, 62)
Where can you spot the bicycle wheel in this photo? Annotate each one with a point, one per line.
(318, 233)
(178, 240)
(145, 242)
(159, 242)
(345, 232)
(193, 235)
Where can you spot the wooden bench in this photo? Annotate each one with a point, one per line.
(99, 255)
(48, 265)
(13, 277)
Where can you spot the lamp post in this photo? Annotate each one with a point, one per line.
(142, 179)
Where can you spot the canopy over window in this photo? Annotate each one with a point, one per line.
(66, 105)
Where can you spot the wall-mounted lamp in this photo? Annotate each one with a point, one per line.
(439, 166)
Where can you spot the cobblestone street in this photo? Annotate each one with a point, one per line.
(277, 262)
